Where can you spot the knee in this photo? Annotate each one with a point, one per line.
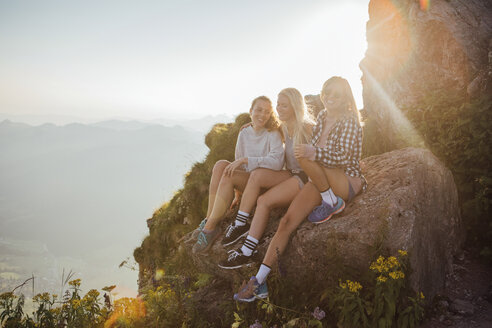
(219, 167)
(285, 226)
(263, 202)
(255, 177)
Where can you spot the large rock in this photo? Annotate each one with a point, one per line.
(413, 50)
(411, 204)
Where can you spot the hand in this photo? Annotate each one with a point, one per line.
(229, 170)
(305, 151)
(245, 126)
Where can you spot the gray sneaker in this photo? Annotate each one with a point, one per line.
(195, 232)
(205, 240)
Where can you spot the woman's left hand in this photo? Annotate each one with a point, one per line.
(305, 151)
(229, 170)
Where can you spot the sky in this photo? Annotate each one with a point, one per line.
(165, 59)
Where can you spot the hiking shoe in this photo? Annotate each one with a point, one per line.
(205, 240)
(251, 290)
(324, 212)
(237, 259)
(195, 232)
(234, 233)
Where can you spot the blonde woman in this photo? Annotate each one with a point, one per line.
(258, 146)
(282, 186)
(331, 160)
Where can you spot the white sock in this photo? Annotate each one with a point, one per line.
(249, 245)
(329, 197)
(241, 218)
(263, 273)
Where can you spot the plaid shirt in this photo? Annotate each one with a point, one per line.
(344, 145)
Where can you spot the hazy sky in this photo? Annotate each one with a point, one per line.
(172, 59)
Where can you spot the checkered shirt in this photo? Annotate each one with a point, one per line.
(344, 145)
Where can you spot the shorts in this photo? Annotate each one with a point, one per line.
(301, 177)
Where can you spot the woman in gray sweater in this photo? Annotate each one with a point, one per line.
(282, 186)
(258, 145)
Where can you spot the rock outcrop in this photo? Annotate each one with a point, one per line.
(411, 203)
(419, 47)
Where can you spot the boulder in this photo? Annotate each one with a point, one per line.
(411, 203)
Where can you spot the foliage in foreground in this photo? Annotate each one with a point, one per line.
(385, 301)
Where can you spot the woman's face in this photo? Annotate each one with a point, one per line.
(260, 113)
(333, 100)
(284, 108)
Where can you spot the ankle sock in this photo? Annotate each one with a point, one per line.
(262, 273)
(241, 218)
(249, 245)
(329, 197)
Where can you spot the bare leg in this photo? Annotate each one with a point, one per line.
(224, 196)
(325, 178)
(279, 196)
(299, 209)
(258, 179)
(214, 183)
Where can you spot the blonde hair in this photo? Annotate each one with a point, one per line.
(273, 122)
(341, 85)
(304, 121)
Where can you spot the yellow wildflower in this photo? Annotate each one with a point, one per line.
(402, 252)
(382, 279)
(422, 295)
(392, 262)
(342, 284)
(354, 286)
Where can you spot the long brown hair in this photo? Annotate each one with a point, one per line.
(341, 85)
(273, 122)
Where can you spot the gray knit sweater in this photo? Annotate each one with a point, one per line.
(263, 149)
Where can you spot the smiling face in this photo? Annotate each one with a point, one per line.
(333, 100)
(260, 113)
(284, 109)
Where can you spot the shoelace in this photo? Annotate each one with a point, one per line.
(202, 239)
(230, 229)
(232, 255)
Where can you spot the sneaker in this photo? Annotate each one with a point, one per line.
(237, 259)
(324, 212)
(234, 233)
(251, 290)
(205, 240)
(195, 232)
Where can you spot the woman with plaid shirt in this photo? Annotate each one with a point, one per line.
(331, 161)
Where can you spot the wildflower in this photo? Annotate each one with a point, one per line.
(257, 324)
(381, 278)
(393, 262)
(342, 284)
(402, 253)
(422, 295)
(397, 275)
(75, 283)
(318, 313)
(354, 286)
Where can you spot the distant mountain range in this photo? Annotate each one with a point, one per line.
(84, 190)
(202, 124)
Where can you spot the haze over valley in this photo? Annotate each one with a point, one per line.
(77, 196)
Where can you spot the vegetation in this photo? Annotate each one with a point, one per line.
(458, 131)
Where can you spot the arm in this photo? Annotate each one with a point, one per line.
(274, 159)
(339, 153)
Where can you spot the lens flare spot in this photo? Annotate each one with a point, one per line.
(425, 5)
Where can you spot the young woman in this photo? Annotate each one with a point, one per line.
(332, 163)
(258, 145)
(282, 185)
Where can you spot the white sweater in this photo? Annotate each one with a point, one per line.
(263, 149)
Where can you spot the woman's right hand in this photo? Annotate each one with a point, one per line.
(229, 170)
(305, 151)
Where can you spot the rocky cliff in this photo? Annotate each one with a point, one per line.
(415, 47)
